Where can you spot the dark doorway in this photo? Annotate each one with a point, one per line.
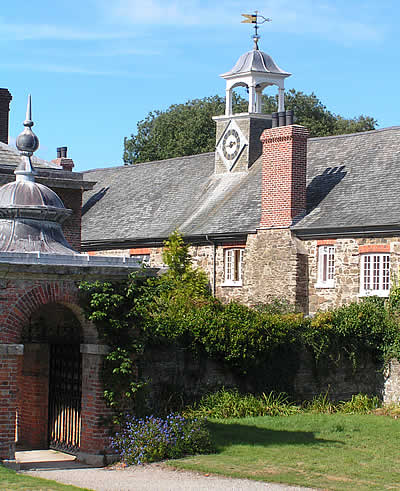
(50, 381)
(65, 393)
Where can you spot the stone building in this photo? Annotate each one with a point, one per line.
(271, 213)
(50, 355)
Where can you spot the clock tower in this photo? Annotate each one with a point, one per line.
(238, 135)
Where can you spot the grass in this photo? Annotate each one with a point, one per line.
(329, 451)
(9, 479)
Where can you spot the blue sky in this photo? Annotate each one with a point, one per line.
(95, 68)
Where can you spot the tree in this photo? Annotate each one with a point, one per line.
(188, 129)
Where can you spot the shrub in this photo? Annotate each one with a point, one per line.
(359, 404)
(231, 404)
(152, 439)
(320, 404)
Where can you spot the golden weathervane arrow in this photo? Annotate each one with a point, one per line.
(254, 19)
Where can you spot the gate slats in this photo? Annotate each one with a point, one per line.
(65, 390)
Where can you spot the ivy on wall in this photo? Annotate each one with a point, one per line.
(178, 308)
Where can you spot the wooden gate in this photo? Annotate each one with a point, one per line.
(65, 392)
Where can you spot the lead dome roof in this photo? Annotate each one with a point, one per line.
(255, 61)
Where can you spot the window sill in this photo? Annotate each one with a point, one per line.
(236, 283)
(371, 293)
(324, 285)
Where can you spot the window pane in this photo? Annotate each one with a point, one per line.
(367, 272)
(375, 281)
(331, 263)
(385, 272)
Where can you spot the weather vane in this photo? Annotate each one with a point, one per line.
(256, 19)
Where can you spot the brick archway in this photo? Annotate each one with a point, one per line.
(22, 302)
(19, 300)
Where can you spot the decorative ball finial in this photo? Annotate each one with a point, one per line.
(27, 142)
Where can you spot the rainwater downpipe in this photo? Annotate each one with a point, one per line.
(214, 267)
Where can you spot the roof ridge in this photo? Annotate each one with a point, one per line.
(127, 166)
(316, 138)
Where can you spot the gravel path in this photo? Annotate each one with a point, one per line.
(153, 477)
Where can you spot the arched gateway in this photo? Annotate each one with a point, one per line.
(51, 393)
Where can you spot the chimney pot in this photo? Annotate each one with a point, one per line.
(5, 98)
(282, 118)
(58, 152)
(275, 122)
(289, 117)
(64, 152)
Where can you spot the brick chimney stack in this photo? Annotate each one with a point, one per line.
(5, 99)
(62, 160)
(284, 161)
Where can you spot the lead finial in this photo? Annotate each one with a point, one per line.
(253, 19)
(27, 143)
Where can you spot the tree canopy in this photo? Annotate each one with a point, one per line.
(188, 129)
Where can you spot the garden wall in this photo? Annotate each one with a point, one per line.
(178, 376)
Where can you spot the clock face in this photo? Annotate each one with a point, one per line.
(231, 144)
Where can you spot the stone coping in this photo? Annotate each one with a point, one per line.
(68, 260)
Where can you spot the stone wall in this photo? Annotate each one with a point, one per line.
(391, 388)
(274, 265)
(347, 270)
(177, 376)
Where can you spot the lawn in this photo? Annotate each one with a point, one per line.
(334, 451)
(11, 480)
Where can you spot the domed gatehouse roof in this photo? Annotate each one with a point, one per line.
(31, 213)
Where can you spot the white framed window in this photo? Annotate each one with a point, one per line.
(233, 261)
(326, 266)
(375, 274)
(141, 258)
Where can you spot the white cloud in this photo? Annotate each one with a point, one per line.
(54, 68)
(325, 19)
(25, 32)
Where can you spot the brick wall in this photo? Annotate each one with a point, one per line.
(33, 395)
(8, 401)
(72, 199)
(283, 192)
(5, 98)
(95, 433)
(20, 298)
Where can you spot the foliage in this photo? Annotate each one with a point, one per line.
(359, 404)
(320, 404)
(231, 404)
(182, 129)
(153, 439)
(178, 309)
(354, 330)
(313, 114)
(188, 129)
(109, 306)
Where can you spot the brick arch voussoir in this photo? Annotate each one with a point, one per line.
(19, 313)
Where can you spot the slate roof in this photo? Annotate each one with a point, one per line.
(150, 200)
(353, 181)
(10, 155)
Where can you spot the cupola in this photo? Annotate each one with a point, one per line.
(238, 143)
(31, 213)
(255, 70)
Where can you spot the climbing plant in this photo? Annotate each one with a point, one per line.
(178, 308)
